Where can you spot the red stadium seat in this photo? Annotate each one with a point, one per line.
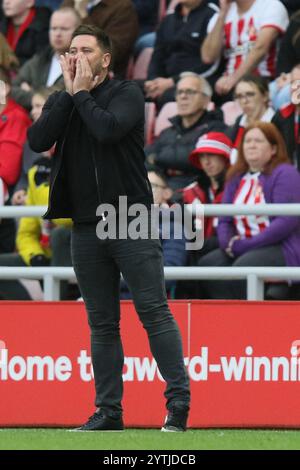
(150, 113)
(140, 68)
(162, 121)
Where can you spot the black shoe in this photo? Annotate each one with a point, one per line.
(102, 422)
(176, 420)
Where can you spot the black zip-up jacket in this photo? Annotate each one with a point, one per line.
(99, 152)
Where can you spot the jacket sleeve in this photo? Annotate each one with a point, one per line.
(44, 133)
(11, 148)
(123, 113)
(158, 59)
(286, 189)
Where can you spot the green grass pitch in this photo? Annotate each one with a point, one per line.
(149, 439)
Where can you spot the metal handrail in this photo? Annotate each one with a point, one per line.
(255, 276)
(209, 210)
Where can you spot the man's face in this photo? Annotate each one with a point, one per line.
(88, 45)
(62, 26)
(189, 97)
(13, 8)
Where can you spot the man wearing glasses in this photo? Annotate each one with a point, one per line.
(171, 150)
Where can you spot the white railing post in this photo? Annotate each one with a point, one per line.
(51, 288)
(255, 287)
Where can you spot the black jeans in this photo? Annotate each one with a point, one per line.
(97, 264)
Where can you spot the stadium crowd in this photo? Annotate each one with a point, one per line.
(221, 125)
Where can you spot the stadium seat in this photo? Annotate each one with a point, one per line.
(162, 121)
(130, 68)
(231, 111)
(150, 113)
(140, 68)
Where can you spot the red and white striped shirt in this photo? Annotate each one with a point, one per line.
(241, 31)
(250, 191)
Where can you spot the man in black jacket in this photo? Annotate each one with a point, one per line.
(178, 42)
(97, 125)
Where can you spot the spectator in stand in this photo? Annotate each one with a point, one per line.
(25, 27)
(118, 19)
(288, 58)
(14, 122)
(43, 69)
(176, 49)
(262, 174)
(35, 235)
(212, 157)
(289, 51)
(287, 119)
(29, 156)
(252, 94)
(147, 11)
(170, 152)
(245, 33)
(173, 247)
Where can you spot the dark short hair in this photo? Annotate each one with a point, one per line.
(102, 38)
(261, 83)
(158, 172)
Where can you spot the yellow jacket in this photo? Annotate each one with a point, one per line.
(29, 231)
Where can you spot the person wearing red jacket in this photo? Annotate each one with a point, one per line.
(14, 122)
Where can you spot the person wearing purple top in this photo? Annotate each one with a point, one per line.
(262, 174)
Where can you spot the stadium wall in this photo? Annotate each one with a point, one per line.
(242, 358)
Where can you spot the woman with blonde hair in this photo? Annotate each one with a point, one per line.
(262, 174)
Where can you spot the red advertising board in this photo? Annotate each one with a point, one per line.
(242, 358)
